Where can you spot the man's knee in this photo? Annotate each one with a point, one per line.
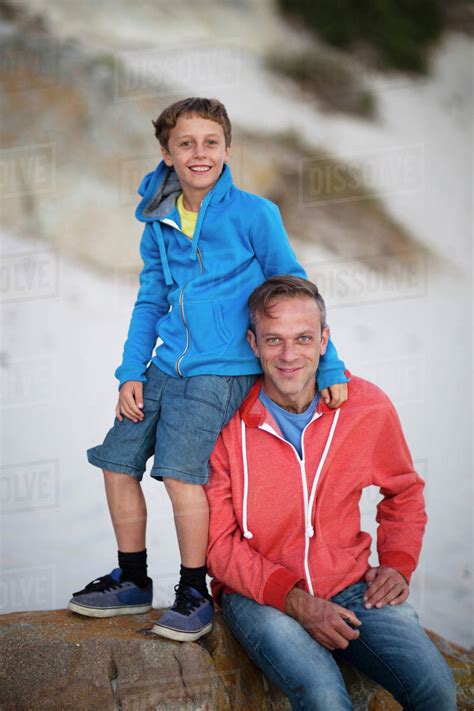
(436, 690)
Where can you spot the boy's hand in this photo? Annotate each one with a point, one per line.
(130, 401)
(335, 395)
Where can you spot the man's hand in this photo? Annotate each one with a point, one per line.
(386, 587)
(130, 401)
(324, 620)
(335, 395)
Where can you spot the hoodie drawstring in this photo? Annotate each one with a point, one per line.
(309, 530)
(247, 533)
(163, 256)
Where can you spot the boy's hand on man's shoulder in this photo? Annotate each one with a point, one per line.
(130, 401)
(335, 395)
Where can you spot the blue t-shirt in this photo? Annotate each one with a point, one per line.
(291, 424)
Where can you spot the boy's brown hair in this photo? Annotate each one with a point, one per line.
(211, 109)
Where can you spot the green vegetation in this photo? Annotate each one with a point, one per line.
(333, 80)
(398, 31)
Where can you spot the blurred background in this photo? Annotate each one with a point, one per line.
(356, 118)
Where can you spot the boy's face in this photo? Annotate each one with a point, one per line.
(197, 150)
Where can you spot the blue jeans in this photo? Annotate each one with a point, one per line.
(392, 649)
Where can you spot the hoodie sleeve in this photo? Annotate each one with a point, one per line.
(230, 557)
(150, 306)
(401, 513)
(276, 256)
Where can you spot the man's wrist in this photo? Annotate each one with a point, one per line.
(293, 602)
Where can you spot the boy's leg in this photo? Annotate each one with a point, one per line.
(394, 650)
(122, 457)
(191, 518)
(194, 410)
(127, 509)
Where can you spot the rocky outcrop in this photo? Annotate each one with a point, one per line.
(58, 660)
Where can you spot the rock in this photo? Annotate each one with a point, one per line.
(58, 660)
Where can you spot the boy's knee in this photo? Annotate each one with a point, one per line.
(175, 487)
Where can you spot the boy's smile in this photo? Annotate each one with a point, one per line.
(197, 151)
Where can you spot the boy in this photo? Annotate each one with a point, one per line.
(206, 245)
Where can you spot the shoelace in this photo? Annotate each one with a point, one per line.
(185, 602)
(103, 584)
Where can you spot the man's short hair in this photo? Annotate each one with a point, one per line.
(211, 109)
(284, 286)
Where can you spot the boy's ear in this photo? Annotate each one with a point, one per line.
(228, 154)
(166, 157)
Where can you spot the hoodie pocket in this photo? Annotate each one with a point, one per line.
(205, 323)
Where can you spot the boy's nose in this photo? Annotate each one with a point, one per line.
(200, 151)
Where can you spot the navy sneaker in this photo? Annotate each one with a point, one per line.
(109, 596)
(188, 619)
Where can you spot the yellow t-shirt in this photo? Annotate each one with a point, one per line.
(188, 218)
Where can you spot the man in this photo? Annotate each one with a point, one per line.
(289, 561)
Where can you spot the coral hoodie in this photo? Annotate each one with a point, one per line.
(278, 521)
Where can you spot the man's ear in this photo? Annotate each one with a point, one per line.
(253, 342)
(167, 157)
(324, 340)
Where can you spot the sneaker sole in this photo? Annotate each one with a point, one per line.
(107, 611)
(179, 636)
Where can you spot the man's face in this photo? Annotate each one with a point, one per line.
(197, 150)
(289, 343)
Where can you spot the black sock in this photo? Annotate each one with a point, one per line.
(134, 567)
(195, 578)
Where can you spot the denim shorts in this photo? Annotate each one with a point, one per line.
(182, 420)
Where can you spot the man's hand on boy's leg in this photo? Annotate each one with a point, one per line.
(335, 395)
(130, 401)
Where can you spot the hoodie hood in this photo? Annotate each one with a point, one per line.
(161, 188)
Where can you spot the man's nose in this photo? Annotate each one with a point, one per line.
(288, 351)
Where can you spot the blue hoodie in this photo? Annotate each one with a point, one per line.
(193, 293)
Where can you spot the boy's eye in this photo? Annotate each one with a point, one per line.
(212, 142)
(185, 143)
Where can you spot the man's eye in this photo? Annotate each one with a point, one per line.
(304, 339)
(272, 341)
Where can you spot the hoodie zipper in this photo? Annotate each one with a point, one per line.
(181, 309)
(308, 528)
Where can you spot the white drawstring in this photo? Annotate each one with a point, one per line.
(309, 528)
(247, 533)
